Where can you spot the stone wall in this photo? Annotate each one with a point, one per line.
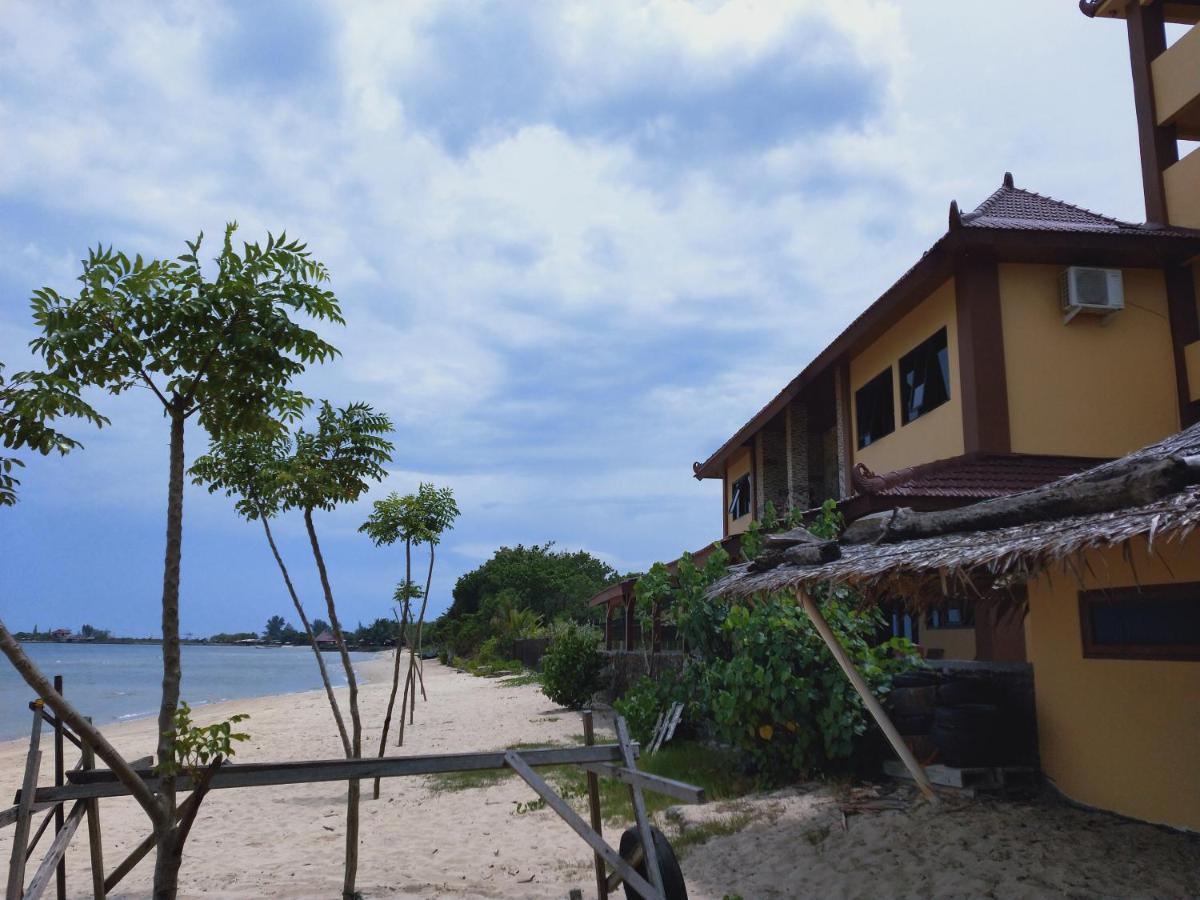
(624, 668)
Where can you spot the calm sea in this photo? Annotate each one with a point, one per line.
(111, 682)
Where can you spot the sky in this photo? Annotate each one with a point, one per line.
(577, 244)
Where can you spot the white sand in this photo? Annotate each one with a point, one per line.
(287, 841)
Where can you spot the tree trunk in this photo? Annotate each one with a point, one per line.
(387, 719)
(353, 793)
(170, 848)
(312, 639)
(421, 618)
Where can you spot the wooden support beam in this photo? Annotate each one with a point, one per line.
(580, 827)
(103, 783)
(679, 790)
(639, 809)
(33, 764)
(95, 844)
(59, 775)
(869, 700)
(593, 787)
(54, 857)
(9, 816)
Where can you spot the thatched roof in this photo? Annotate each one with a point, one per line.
(1154, 492)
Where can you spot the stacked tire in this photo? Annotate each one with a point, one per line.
(966, 731)
(911, 703)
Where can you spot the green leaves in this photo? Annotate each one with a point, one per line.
(224, 348)
(29, 402)
(196, 746)
(336, 462)
(420, 518)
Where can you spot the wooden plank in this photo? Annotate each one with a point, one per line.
(9, 816)
(138, 853)
(580, 827)
(59, 772)
(103, 783)
(46, 871)
(687, 793)
(95, 844)
(869, 700)
(593, 787)
(639, 809)
(33, 764)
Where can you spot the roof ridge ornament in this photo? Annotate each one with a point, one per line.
(1008, 179)
(955, 216)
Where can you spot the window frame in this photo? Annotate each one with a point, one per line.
(968, 613)
(944, 333)
(1134, 596)
(733, 487)
(858, 429)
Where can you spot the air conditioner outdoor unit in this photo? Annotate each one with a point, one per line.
(1082, 289)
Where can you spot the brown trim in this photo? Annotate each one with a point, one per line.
(1185, 328)
(1147, 39)
(1141, 249)
(755, 446)
(1131, 596)
(981, 375)
(845, 412)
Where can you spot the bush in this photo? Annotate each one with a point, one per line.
(571, 666)
(641, 706)
(781, 698)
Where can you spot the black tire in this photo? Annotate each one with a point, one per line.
(913, 701)
(919, 723)
(955, 693)
(959, 749)
(976, 718)
(668, 865)
(918, 678)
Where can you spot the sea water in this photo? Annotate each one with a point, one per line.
(114, 682)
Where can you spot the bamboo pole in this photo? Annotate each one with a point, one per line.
(864, 691)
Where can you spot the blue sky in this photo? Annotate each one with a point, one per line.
(577, 244)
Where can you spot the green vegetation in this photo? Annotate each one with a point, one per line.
(513, 594)
(688, 837)
(571, 666)
(198, 745)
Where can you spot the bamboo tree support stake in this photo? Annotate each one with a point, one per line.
(869, 700)
(33, 764)
(593, 787)
(95, 845)
(60, 874)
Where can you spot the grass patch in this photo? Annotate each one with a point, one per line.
(714, 770)
(521, 680)
(688, 837)
(451, 782)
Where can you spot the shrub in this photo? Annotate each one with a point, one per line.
(571, 666)
(781, 698)
(641, 706)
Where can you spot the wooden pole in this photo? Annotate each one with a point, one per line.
(593, 786)
(41, 878)
(95, 846)
(60, 874)
(868, 698)
(639, 809)
(33, 764)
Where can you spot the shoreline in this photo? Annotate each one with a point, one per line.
(366, 672)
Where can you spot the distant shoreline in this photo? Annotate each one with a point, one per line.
(201, 642)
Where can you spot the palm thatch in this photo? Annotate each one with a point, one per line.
(983, 548)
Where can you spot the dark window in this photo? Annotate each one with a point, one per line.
(924, 378)
(954, 614)
(1155, 622)
(873, 409)
(739, 497)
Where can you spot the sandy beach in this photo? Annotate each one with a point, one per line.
(417, 842)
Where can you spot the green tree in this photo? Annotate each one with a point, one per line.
(415, 519)
(250, 467)
(274, 628)
(333, 464)
(223, 350)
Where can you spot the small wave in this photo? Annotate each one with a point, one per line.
(135, 715)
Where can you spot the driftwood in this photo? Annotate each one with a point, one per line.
(1128, 485)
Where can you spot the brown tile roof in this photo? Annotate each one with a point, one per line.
(1011, 207)
(958, 480)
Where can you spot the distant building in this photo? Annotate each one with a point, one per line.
(326, 640)
(61, 634)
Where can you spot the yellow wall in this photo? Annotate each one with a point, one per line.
(957, 643)
(738, 465)
(1086, 388)
(1176, 77)
(1118, 734)
(1182, 184)
(937, 434)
